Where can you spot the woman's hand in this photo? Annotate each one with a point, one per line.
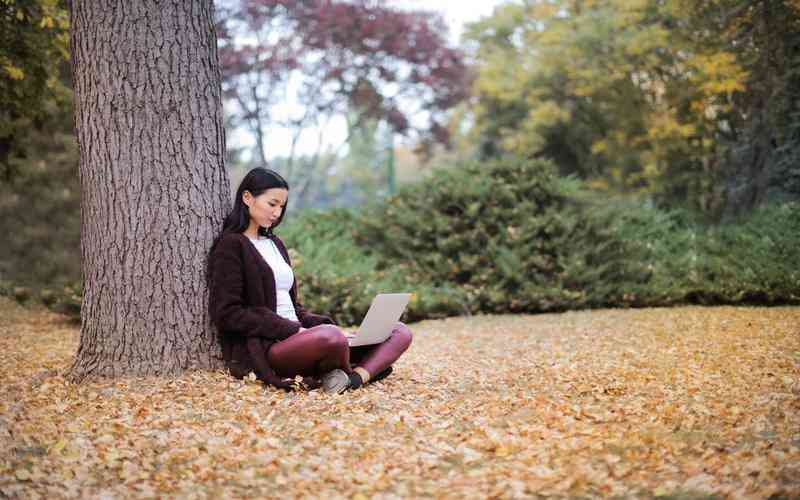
(311, 383)
(294, 384)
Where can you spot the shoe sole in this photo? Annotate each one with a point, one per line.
(335, 382)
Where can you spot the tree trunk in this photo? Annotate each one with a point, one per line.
(148, 117)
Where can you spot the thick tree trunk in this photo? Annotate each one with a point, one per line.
(148, 116)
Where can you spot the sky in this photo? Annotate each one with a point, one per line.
(456, 14)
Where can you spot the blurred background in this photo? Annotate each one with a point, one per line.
(497, 156)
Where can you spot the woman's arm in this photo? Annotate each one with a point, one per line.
(227, 305)
(307, 319)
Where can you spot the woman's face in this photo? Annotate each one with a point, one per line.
(266, 208)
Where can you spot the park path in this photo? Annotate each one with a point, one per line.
(635, 403)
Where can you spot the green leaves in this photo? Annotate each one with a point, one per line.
(510, 236)
(634, 96)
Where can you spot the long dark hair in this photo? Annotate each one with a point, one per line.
(256, 181)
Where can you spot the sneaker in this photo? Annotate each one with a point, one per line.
(335, 382)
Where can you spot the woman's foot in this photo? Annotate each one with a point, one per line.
(360, 376)
(382, 375)
(335, 381)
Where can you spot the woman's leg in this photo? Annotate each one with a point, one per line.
(371, 360)
(311, 352)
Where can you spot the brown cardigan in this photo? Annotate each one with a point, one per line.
(243, 302)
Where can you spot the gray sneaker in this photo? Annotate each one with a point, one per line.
(335, 382)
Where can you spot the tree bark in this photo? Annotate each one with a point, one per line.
(148, 118)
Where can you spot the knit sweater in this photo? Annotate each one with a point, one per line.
(243, 301)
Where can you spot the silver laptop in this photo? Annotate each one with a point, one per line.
(382, 316)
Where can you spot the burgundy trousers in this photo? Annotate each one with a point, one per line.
(318, 350)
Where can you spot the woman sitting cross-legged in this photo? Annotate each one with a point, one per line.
(262, 325)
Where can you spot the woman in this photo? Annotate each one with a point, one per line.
(263, 327)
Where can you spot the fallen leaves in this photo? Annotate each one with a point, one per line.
(631, 403)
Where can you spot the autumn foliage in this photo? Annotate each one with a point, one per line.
(691, 103)
(676, 403)
(512, 236)
(365, 59)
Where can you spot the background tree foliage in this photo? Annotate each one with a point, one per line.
(34, 42)
(661, 110)
(669, 98)
(39, 195)
(510, 235)
(299, 67)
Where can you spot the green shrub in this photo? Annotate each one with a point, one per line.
(339, 278)
(67, 300)
(753, 260)
(517, 238)
(513, 235)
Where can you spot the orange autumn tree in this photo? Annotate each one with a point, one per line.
(639, 96)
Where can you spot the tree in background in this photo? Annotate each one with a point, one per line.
(762, 160)
(299, 66)
(40, 202)
(39, 193)
(638, 96)
(33, 44)
(154, 190)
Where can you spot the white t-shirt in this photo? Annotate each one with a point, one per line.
(284, 277)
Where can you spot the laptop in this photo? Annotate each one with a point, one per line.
(382, 316)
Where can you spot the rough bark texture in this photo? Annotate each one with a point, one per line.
(148, 116)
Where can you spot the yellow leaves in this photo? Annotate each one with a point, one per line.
(543, 11)
(600, 147)
(14, 72)
(717, 73)
(58, 446)
(47, 22)
(22, 475)
(547, 113)
(665, 126)
(607, 403)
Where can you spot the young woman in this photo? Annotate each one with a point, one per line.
(262, 325)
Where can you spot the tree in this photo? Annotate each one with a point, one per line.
(39, 202)
(154, 190)
(762, 153)
(33, 44)
(301, 65)
(38, 157)
(632, 95)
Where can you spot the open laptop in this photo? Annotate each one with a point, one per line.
(382, 316)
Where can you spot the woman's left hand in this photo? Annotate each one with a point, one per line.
(311, 383)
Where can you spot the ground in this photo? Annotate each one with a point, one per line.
(686, 402)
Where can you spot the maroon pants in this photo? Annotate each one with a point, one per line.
(318, 350)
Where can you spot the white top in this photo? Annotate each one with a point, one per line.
(284, 277)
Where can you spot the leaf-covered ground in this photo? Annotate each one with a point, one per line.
(680, 402)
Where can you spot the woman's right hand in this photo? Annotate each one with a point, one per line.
(290, 384)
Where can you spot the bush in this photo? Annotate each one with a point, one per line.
(339, 278)
(513, 235)
(517, 238)
(754, 260)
